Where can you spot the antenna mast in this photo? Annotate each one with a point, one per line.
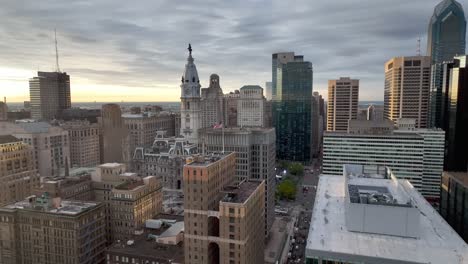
(57, 67)
(418, 47)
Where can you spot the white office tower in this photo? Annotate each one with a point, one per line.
(367, 215)
(251, 107)
(413, 154)
(190, 110)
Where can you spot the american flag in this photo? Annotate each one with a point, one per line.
(219, 125)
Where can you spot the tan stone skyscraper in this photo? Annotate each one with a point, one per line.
(407, 83)
(84, 143)
(50, 230)
(115, 145)
(343, 98)
(223, 223)
(18, 173)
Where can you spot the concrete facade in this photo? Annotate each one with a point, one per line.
(45, 230)
(49, 94)
(143, 127)
(255, 157)
(251, 107)
(223, 222)
(212, 103)
(18, 173)
(406, 94)
(343, 98)
(415, 155)
(84, 138)
(115, 135)
(51, 145)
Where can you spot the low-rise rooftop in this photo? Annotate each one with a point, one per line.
(240, 194)
(329, 237)
(60, 207)
(8, 139)
(145, 245)
(206, 160)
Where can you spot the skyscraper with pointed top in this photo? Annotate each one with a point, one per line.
(190, 101)
(445, 40)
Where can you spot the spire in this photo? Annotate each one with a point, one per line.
(190, 73)
(57, 67)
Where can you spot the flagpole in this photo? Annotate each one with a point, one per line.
(223, 136)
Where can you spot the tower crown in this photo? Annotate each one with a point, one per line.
(190, 83)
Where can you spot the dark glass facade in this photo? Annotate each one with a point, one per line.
(456, 116)
(446, 39)
(292, 108)
(454, 201)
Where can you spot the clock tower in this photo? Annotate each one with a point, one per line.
(190, 110)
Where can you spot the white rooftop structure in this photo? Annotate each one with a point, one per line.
(55, 205)
(333, 236)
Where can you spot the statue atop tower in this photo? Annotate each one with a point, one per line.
(190, 116)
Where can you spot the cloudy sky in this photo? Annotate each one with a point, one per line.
(136, 50)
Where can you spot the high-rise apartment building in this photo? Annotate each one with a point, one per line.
(84, 143)
(367, 215)
(224, 223)
(212, 103)
(251, 107)
(255, 157)
(46, 230)
(456, 114)
(190, 108)
(51, 145)
(415, 155)
(446, 39)
(268, 91)
(406, 94)
(292, 106)
(343, 99)
(115, 136)
(143, 127)
(49, 94)
(18, 173)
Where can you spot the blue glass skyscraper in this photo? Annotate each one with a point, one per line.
(292, 106)
(445, 40)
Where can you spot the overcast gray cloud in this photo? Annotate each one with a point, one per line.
(143, 43)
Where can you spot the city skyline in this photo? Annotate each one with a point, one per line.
(133, 53)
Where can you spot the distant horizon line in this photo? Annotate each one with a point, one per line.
(91, 102)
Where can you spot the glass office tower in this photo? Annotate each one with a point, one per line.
(456, 125)
(446, 39)
(292, 106)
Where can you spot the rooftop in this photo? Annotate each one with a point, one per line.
(329, 237)
(35, 127)
(129, 185)
(8, 139)
(240, 194)
(65, 207)
(145, 246)
(110, 165)
(205, 161)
